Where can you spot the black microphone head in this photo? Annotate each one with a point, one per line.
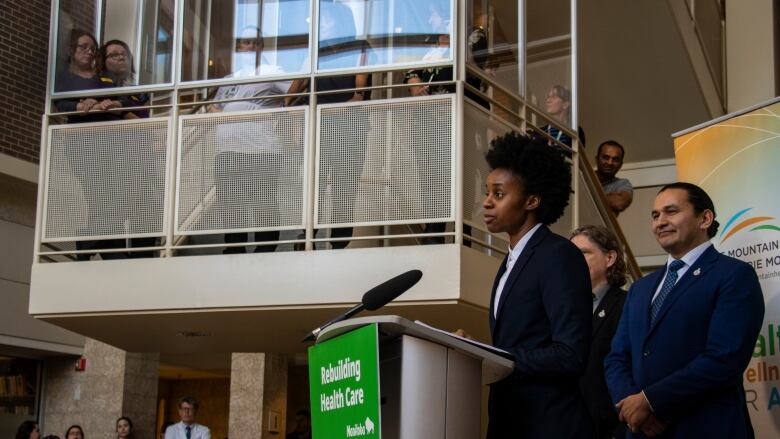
(385, 292)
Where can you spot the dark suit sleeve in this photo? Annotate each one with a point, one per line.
(735, 324)
(566, 297)
(617, 364)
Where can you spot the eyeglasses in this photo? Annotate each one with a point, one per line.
(86, 47)
(116, 55)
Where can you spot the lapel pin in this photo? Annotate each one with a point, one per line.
(697, 272)
(602, 313)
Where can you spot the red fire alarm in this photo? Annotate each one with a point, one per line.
(81, 364)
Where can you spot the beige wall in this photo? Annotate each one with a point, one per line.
(750, 62)
(115, 383)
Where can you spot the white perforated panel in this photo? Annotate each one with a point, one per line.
(241, 171)
(385, 162)
(105, 179)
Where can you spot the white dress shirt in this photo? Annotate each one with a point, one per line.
(689, 259)
(178, 431)
(514, 253)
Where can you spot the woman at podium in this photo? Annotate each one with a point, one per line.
(540, 307)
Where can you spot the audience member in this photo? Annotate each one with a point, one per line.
(116, 67)
(302, 426)
(433, 164)
(28, 430)
(607, 267)
(609, 160)
(81, 75)
(124, 428)
(341, 167)
(687, 331)
(249, 153)
(557, 103)
(74, 432)
(187, 428)
(540, 309)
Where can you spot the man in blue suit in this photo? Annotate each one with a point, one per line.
(687, 331)
(540, 307)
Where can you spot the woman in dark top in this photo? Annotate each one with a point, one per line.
(28, 430)
(91, 164)
(116, 68)
(80, 74)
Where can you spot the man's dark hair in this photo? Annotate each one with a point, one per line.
(700, 201)
(540, 168)
(189, 400)
(303, 412)
(614, 143)
(607, 242)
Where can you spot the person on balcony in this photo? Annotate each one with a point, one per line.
(249, 153)
(434, 166)
(116, 67)
(89, 163)
(540, 306)
(557, 103)
(81, 74)
(609, 160)
(340, 167)
(607, 268)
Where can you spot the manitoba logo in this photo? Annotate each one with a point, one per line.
(751, 223)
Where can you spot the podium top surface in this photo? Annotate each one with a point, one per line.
(494, 366)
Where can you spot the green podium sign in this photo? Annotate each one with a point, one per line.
(344, 385)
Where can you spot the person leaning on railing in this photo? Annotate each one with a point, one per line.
(81, 74)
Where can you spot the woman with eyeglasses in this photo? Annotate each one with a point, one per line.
(90, 163)
(116, 67)
(81, 74)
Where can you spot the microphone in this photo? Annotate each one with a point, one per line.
(375, 298)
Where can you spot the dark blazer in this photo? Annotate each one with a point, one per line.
(691, 360)
(543, 319)
(593, 385)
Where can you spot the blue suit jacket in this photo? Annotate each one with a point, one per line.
(690, 361)
(544, 319)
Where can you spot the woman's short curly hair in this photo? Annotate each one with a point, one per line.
(541, 169)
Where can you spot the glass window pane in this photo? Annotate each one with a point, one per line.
(548, 59)
(492, 41)
(244, 38)
(356, 33)
(130, 44)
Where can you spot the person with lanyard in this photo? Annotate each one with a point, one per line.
(687, 331)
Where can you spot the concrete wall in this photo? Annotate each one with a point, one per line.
(750, 49)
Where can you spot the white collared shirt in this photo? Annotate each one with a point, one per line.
(689, 259)
(177, 431)
(514, 253)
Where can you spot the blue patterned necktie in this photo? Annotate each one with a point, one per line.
(671, 279)
(188, 431)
